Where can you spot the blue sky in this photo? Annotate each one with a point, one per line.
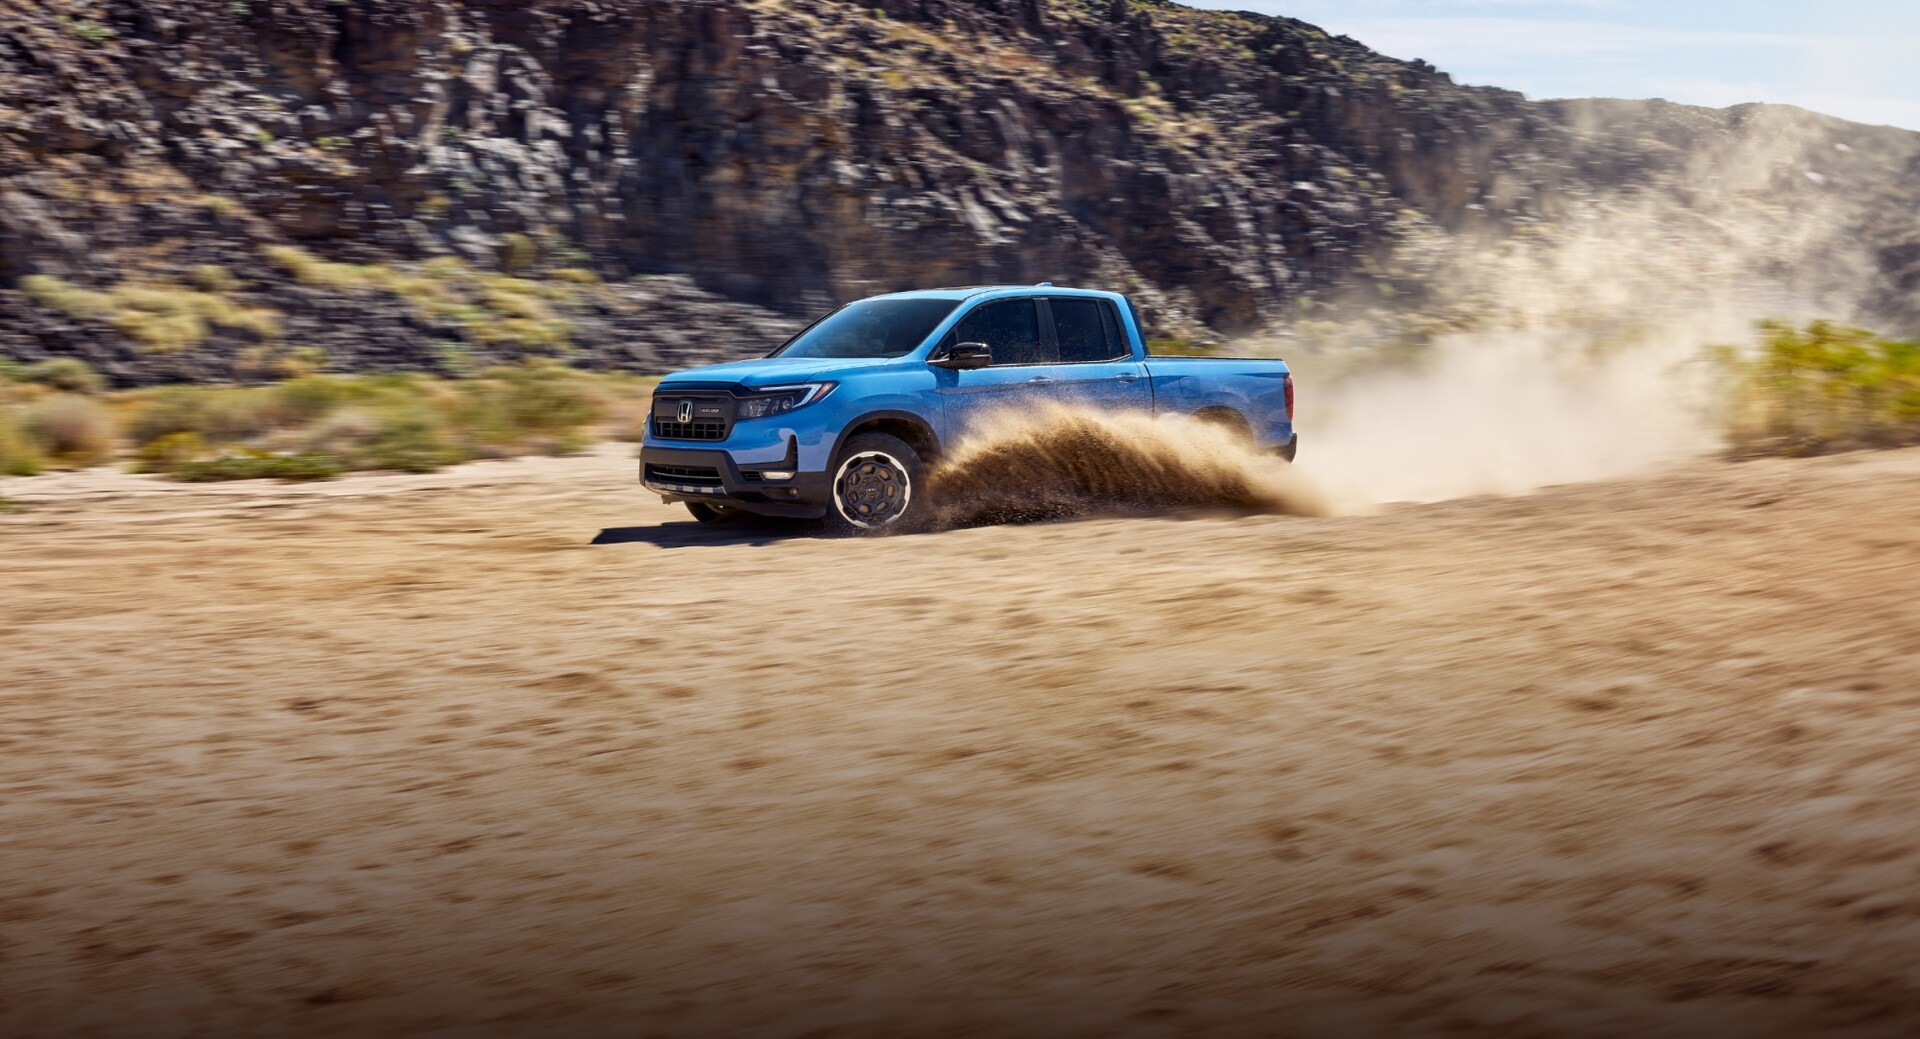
(1859, 59)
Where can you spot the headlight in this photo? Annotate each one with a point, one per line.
(778, 400)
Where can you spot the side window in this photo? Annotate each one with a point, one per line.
(1083, 334)
(1009, 327)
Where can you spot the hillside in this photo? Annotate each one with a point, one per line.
(208, 190)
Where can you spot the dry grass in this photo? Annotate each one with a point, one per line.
(315, 426)
(498, 310)
(161, 317)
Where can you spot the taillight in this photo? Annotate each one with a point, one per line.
(1289, 397)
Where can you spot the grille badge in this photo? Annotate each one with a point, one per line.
(686, 411)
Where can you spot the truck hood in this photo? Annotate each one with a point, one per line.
(773, 371)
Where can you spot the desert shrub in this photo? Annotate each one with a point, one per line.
(512, 405)
(211, 277)
(518, 253)
(70, 429)
(169, 319)
(162, 318)
(171, 452)
(261, 465)
(304, 400)
(494, 309)
(218, 413)
(308, 269)
(302, 361)
(19, 454)
(71, 300)
(410, 440)
(64, 373)
(1822, 387)
(399, 421)
(343, 433)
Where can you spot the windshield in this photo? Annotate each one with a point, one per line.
(870, 328)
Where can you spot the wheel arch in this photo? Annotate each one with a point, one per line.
(908, 427)
(1222, 415)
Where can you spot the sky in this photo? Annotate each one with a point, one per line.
(1857, 59)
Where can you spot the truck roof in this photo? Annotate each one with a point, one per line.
(970, 291)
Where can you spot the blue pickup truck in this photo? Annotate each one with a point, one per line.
(844, 420)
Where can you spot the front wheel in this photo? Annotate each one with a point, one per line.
(713, 515)
(878, 485)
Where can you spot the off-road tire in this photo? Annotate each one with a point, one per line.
(878, 486)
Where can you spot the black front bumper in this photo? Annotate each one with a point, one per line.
(685, 479)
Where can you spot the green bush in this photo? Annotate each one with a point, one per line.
(1822, 387)
(70, 429)
(64, 373)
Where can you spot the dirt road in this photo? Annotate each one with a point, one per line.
(417, 753)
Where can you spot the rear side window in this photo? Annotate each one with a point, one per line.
(1083, 330)
(1009, 326)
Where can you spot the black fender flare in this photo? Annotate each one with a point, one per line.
(872, 416)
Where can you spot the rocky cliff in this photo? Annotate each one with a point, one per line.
(194, 189)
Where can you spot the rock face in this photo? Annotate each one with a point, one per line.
(759, 160)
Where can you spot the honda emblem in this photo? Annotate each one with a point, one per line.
(686, 411)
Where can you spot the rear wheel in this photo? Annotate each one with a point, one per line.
(878, 485)
(713, 515)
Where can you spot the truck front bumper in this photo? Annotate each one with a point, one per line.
(711, 475)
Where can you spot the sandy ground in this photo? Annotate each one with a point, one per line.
(418, 754)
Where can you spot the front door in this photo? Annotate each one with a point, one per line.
(1022, 360)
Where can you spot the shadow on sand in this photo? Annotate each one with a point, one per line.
(694, 535)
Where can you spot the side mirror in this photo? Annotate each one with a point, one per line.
(965, 357)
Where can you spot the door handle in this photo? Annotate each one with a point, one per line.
(1128, 377)
(1038, 380)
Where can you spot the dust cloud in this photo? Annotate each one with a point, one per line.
(1557, 351)
(1059, 461)
(1507, 414)
(1574, 351)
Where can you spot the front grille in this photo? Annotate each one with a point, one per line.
(689, 430)
(695, 475)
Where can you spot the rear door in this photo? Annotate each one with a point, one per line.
(1095, 365)
(1022, 358)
